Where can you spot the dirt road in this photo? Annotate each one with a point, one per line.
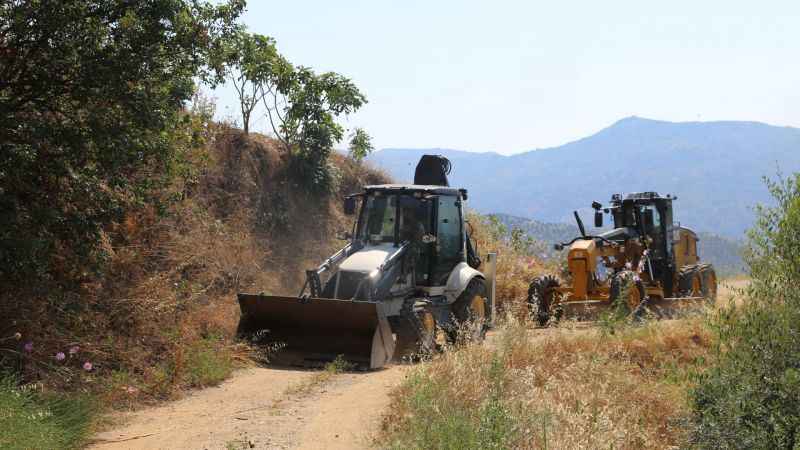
(265, 408)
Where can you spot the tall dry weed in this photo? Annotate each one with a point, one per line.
(558, 388)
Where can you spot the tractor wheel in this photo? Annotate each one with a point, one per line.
(690, 281)
(415, 332)
(627, 291)
(471, 313)
(541, 298)
(709, 283)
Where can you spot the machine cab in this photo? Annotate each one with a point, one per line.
(648, 214)
(428, 218)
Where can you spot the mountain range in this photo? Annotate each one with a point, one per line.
(716, 170)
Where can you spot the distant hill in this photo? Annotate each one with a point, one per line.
(715, 169)
(724, 253)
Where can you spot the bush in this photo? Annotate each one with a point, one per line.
(208, 364)
(751, 397)
(29, 420)
(91, 121)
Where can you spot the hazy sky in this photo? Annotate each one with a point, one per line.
(512, 76)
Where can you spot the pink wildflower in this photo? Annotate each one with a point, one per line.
(74, 350)
(87, 366)
(28, 347)
(60, 356)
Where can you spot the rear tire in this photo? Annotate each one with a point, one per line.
(470, 312)
(541, 296)
(709, 283)
(690, 281)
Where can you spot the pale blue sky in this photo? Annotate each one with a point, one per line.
(510, 76)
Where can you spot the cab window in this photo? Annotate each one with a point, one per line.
(449, 237)
(379, 219)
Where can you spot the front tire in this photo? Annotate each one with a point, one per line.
(471, 313)
(416, 333)
(627, 292)
(542, 298)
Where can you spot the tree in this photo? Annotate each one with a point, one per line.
(750, 396)
(360, 144)
(251, 60)
(91, 94)
(302, 108)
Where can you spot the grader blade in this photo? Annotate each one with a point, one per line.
(312, 331)
(663, 308)
(676, 306)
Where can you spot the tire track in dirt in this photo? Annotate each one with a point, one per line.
(264, 408)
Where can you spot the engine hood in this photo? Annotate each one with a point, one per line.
(369, 258)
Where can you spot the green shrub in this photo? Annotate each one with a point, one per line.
(207, 363)
(751, 397)
(439, 421)
(32, 421)
(92, 120)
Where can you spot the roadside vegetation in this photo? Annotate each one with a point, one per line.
(751, 397)
(130, 218)
(561, 389)
(30, 419)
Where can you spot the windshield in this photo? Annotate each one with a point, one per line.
(380, 215)
(378, 218)
(629, 215)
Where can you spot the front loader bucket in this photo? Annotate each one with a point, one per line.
(317, 330)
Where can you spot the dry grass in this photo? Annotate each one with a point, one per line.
(555, 388)
(515, 268)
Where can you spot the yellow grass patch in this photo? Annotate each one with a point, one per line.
(555, 388)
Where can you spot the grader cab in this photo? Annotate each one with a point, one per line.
(645, 262)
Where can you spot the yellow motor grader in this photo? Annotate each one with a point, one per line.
(646, 262)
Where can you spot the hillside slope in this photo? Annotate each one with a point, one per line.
(715, 168)
(162, 313)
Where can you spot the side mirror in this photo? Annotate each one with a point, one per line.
(598, 219)
(349, 206)
(343, 235)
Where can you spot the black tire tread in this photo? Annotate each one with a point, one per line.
(461, 312)
(409, 331)
(685, 276)
(618, 282)
(538, 303)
